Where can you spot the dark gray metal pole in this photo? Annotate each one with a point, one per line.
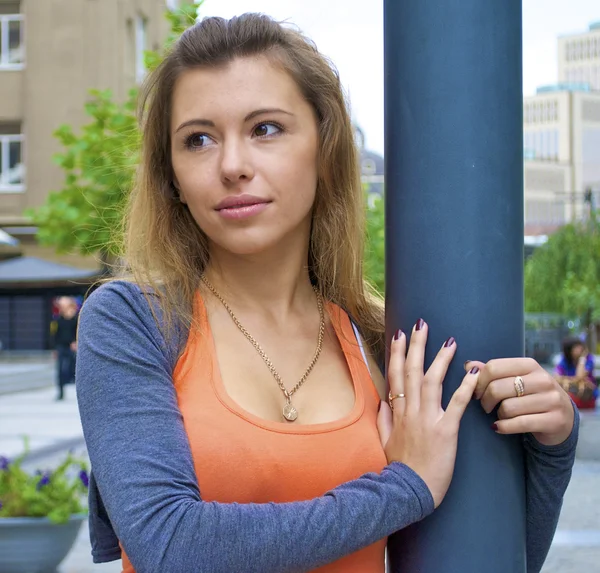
(454, 232)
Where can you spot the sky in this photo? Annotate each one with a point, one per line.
(352, 36)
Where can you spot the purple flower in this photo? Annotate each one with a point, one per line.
(0, 505)
(44, 481)
(84, 478)
(4, 463)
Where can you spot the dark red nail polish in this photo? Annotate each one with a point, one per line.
(474, 370)
(379, 406)
(420, 324)
(495, 427)
(398, 334)
(449, 342)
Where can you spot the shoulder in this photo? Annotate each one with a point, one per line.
(120, 292)
(123, 311)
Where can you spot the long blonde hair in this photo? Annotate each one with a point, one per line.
(164, 247)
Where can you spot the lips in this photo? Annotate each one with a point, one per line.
(239, 201)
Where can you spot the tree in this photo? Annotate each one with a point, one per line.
(374, 263)
(99, 164)
(563, 275)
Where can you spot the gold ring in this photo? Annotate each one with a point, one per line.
(392, 397)
(519, 386)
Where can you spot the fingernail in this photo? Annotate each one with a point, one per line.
(398, 334)
(420, 324)
(474, 370)
(495, 427)
(449, 342)
(379, 406)
(465, 364)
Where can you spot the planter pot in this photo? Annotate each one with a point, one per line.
(35, 544)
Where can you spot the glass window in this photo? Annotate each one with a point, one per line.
(12, 47)
(12, 169)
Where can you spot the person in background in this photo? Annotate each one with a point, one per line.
(65, 343)
(575, 372)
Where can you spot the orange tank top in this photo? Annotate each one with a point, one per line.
(281, 462)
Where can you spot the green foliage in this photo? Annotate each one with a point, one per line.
(563, 276)
(375, 244)
(56, 494)
(99, 164)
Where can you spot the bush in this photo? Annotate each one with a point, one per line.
(55, 494)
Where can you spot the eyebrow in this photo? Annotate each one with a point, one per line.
(251, 115)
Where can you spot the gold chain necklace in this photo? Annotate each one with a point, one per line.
(290, 413)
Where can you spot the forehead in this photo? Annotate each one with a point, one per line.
(234, 89)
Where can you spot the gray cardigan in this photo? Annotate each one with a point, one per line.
(144, 491)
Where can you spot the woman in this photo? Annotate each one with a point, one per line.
(235, 418)
(575, 372)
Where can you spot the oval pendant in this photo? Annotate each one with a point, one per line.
(289, 412)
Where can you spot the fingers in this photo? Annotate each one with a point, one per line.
(414, 366)
(431, 394)
(529, 423)
(396, 369)
(502, 368)
(384, 423)
(504, 389)
(462, 396)
(533, 404)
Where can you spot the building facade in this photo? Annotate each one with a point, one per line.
(561, 142)
(52, 52)
(579, 57)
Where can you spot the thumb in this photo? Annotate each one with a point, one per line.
(384, 423)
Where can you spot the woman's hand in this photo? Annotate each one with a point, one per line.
(418, 432)
(544, 409)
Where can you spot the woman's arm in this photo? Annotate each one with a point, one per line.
(548, 471)
(143, 467)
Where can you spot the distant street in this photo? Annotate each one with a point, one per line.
(21, 377)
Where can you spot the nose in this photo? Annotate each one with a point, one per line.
(236, 161)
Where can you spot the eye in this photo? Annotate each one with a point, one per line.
(267, 129)
(197, 140)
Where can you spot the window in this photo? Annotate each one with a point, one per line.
(12, 47)
(140, 48)
(12, 168)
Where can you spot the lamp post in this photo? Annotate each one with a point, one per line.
(454, 249)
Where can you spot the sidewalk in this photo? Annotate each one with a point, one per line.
(54, 427)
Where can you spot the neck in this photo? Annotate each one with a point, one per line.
(275, 283)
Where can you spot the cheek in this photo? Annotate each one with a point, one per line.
(299, 177)
(193, 178)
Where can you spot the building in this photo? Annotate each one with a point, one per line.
(561, 141)
(579, 57)
(561, 138)
(52, 52)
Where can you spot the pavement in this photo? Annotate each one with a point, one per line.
(27, 407)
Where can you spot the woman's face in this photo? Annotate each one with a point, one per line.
(577, 352)
(244, 153)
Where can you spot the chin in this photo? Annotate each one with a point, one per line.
(249, 245)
